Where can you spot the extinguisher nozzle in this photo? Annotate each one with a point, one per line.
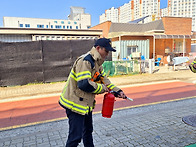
(129, 98)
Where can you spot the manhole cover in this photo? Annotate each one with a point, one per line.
(190, 120)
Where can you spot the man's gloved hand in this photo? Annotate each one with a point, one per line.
(119, 94)
(122, 95)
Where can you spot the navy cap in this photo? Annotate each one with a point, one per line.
(106, 43)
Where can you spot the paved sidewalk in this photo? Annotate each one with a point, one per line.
(149, 126)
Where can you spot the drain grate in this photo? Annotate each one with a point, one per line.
(190, 120)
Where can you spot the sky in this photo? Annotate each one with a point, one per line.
(58, 9)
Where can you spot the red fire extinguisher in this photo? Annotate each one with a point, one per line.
(108, 103)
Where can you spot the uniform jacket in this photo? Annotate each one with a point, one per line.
(79, 91)
(192, 68)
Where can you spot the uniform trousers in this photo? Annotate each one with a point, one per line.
(80, 127)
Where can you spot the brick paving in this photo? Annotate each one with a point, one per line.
(148, 126)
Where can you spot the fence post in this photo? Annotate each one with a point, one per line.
(151, 66)
(42, 58)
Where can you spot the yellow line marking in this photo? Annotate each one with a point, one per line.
(63, 118)
(31, 124)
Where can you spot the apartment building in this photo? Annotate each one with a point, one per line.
(164, 12)
(78, 14)
(110, 14)
(183, 8)
(149, 8)
(135, 9)
(77, 19)
(102, 18)
(125, 12)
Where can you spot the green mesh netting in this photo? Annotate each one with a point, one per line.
(120, 67)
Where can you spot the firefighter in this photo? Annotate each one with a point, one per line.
(78, 95)
(192, 66)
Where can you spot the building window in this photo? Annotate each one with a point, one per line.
(63, 27)
(62, 22)
(67, 27)
(46, 26)
(21, 25)
(69, 22)
(70, 27)
(43, 38)
(37, 38)
(178, 45)
(47, 37)
(58, 26)
(76, 27)
(75, 22)
(27, 25)
(131, 49)
(40, 26)
(51, 26)
(55, 21)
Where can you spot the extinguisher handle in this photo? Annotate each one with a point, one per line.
(116, 94)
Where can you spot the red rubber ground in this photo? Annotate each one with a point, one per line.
(41, 109)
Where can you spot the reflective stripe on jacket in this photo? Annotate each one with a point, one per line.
(79, 91)
(192, 68)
